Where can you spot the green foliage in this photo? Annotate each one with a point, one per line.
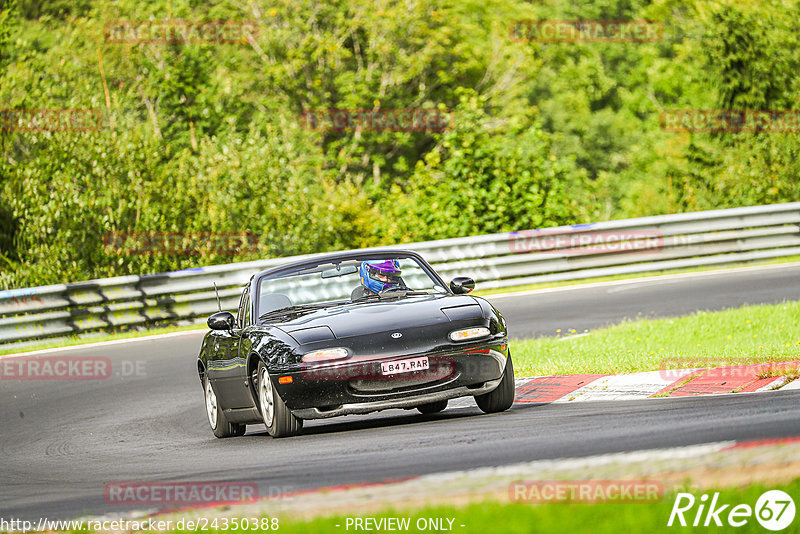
(8, 23)
(210, 137)
(487, 178)
(753, 55)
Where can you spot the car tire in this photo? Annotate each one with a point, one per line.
(217, 419)
(501, 398)
(432, 407)
(277, 417)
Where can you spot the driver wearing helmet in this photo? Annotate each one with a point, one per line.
(377, 276)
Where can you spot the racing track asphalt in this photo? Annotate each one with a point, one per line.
(62, 441)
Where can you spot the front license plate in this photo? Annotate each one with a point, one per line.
(404, 366)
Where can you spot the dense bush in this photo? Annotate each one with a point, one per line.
(210, 137)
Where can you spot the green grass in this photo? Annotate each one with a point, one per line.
(751, 334)
(559, 518)
(514, 289)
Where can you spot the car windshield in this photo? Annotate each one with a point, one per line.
(329, 283)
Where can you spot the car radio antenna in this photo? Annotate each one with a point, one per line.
(219, 306)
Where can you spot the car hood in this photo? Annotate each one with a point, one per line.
(364, 318)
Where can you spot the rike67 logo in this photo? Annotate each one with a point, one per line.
(774, 510)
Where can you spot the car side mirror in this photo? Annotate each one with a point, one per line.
(461, 285)
(223, 320)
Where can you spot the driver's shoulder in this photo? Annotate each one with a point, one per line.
(359, 292)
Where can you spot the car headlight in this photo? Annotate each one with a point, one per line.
(325, 355)
(469, 333)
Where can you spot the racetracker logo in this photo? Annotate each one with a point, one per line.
(181, 31)
(727, 121)
(586, 31)
(50, 120)
(774, 510)
(627, 491)
(558, 241)
(382, 120)
(55, 368)
(420, 368)
(415, 369)
(675, 368)
(20, 298)
(178, 493)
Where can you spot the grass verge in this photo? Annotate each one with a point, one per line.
(747, 335)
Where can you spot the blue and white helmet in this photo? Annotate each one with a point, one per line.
(379, 275)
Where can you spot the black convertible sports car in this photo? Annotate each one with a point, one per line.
(351, 333)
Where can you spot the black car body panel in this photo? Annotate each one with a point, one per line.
(373, 332)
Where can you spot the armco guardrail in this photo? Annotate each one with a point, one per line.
(716, 237)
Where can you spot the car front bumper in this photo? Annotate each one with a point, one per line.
(360, 387)
(403, 402)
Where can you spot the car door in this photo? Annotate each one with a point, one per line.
(226, 367)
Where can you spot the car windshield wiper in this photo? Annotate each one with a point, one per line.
(390, 294)
(296, 307)
(373, 296)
